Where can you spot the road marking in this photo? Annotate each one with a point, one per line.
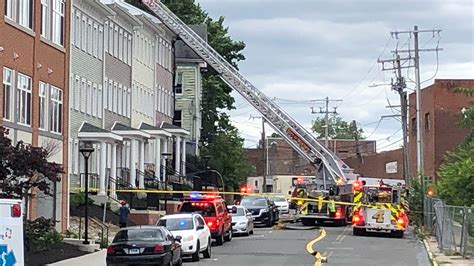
(330, 253)
(341, 236)
(309, 247)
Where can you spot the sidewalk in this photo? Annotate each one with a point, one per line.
(440, 258)
(93, 259)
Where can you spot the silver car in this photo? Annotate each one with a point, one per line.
(242, 221)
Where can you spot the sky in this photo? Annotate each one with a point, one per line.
(303, 50)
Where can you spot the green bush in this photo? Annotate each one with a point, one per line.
(416, 202)
(40, 234)
(78, 200)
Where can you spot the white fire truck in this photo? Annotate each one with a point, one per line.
(11, 233)
(379, 206)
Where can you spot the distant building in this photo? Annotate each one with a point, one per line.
(441, 113)
(386, 164)
(284, 160)
(188, 90)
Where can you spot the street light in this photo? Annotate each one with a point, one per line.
(86, 152)
(206, 160)
(166, 155)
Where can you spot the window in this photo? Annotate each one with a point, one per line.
(77, 29)
(24, 99)
(58, 22)
(427, 121)
(83, 33)
(7, 93)
(101, 42)
(178, 89)
(177, 118)
(77, 93)
(413, 126)
(95, 38)
(99, 102)
(124, 101)
(20, 11)
(56, 119)
(119, 100)
(83, 95)
(116, 40)
(89, 98)
(89, 37)
(44, 18)
(43, 103)
(52, 21)
(111, 39)
(120, 45)
(94, 100)
(110, 94)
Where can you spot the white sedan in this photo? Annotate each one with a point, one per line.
(281, 203)
(194, 233)
(242, 221)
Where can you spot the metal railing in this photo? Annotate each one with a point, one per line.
(453, 226)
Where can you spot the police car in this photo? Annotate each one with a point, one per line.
(11, 233)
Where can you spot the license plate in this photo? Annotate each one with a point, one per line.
(134, 251)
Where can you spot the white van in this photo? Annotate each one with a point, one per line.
(11, 233)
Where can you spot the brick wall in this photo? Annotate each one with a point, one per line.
(443, 134)
(375, 165)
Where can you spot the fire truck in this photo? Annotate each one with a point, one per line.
(317, 205)
(379, 206)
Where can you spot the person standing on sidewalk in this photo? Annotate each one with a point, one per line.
(123, 214)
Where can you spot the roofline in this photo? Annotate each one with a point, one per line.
(122, 9)
(99, 135)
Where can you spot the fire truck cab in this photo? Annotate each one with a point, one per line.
(378, 207)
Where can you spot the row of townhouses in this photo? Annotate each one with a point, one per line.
(101, 72)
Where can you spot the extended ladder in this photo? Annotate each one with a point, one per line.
(296, 135)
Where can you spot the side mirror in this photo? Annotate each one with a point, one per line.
(178, 238)
(234, 210)
(200, 227)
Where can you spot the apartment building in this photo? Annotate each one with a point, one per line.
(123, 62)
(188, 90)
(34, 62)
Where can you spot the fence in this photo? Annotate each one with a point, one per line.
(453, 226)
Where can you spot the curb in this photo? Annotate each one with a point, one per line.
(430, 254)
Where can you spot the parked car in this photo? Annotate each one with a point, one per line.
(144, 245)
(281, 202)
(214, 210)
(242, 220)
(193, 231)
(263, 210)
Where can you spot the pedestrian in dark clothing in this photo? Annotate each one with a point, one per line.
(123, 214)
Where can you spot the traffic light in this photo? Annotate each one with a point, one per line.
(430, 192)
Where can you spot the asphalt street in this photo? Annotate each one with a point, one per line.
(287, 247)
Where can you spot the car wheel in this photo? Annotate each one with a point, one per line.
(207, 252)
(195, 256)
(358, 231)
(180, 262)
(307, 222)
(251, 232)
(220, 239)
(228, 238)
(397, 233)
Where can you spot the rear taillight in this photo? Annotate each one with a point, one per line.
(338, 214)
(110, 250)
(357, 219)
(159, 249)
(16, 210)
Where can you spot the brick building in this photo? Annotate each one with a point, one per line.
(386, 164)
(34, 58)
(284, 160)
(441, 110)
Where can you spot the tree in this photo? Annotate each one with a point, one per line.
(338, 128)
(456, 184)
(24, 167)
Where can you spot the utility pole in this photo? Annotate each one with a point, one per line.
(326, 117)
(264, 153)
(326, 130)
(416, 59)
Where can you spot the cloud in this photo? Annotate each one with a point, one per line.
(304, 49)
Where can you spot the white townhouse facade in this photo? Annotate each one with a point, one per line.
(129, 84)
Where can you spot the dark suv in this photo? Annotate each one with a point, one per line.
(263, 210)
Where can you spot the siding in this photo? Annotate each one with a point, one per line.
(117, 70)
(110, 118)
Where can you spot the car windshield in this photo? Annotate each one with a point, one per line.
(203, 208)
(177, 224)
(138, 235)
(253, 202)
(240, 212)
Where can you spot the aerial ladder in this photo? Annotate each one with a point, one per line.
(296, 135)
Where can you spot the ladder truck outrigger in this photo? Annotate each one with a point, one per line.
(330, 169)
